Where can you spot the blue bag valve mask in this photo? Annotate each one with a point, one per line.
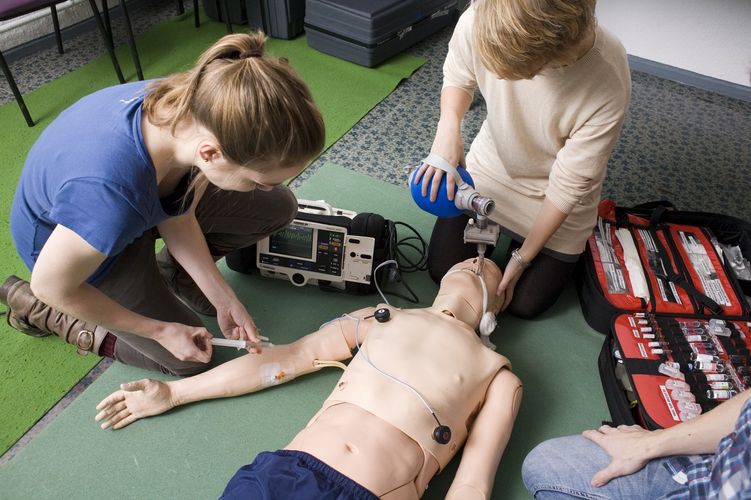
(465, 196)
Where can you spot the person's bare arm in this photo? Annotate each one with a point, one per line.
(242, 375)
(487, 439)
(187, 244)
(630, 447)
(448, 143)
(547, 222)
(59, 280)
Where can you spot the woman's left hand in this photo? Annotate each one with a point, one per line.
(511, 276)
(236, 323)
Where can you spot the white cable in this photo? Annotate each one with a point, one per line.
(375, 277)
(367, 359)
(488, 321)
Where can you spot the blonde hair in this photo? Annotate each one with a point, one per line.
(517, 38)
(257, 107)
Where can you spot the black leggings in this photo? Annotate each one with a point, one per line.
(537, 289)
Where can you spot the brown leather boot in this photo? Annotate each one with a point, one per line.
(33, 317)
(182, 285)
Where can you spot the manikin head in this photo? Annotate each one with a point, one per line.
(462, 294)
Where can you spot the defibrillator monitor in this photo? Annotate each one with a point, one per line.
(293, 241)
(317, 249)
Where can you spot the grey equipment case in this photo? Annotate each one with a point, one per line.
(277, 18)
(367, 32)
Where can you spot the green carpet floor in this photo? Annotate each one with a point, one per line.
(191, 452)
(34, 374)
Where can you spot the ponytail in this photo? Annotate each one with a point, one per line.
(256, 106)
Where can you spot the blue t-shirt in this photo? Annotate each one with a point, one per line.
(90, 172)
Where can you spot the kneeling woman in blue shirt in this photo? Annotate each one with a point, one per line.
(196, 159)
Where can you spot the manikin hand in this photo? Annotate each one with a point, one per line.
(448, 144)
(627, 446)
(511, 276)
(186, 343)
(235, 323)
(139, 399)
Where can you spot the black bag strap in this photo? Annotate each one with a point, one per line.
(678, 279)
(637, 366)
(657, 215)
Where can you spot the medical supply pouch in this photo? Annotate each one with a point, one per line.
(653, 258)
(658, 370)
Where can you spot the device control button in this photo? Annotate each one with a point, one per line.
(366, 256)
(352, 254)
(298, 279)
(354, 240)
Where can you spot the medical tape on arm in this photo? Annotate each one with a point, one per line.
(275, 374)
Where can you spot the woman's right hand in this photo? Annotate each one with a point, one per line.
(448, 144)
(186, 343)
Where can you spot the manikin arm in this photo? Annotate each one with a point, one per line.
(487, 439)
(242, 375)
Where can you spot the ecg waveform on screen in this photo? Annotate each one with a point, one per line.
(304, 236)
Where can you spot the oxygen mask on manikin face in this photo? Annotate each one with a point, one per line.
(458, 297)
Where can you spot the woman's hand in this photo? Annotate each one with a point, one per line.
(135, 400)
(511, 276)
(236, 323)
(448, 144)
(186, 343)
(629, 449)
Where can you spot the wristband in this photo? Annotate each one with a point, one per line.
(519, 259)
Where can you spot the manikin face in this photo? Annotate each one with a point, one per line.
(462, 293)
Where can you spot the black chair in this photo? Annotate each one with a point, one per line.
(10, 9)
(128, 29)
(197, 20)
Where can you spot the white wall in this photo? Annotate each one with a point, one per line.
(709, 37)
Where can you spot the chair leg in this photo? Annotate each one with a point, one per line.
(107, 41)
(16, 92)
(180, 8)
(226, 13)
(226, 9)
(107, 21)
(196, 19)
(131, 41)
(56, 24)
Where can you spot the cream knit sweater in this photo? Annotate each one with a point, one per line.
(547, 137)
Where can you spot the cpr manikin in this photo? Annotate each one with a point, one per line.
(420, 385)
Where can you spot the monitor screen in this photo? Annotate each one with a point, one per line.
(294, 241)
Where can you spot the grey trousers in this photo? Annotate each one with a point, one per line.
(229, 220)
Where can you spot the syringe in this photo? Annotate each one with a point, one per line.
(242, 344)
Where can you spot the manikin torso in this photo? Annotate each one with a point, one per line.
(377, 431)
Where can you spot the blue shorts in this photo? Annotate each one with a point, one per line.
(287, 474)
